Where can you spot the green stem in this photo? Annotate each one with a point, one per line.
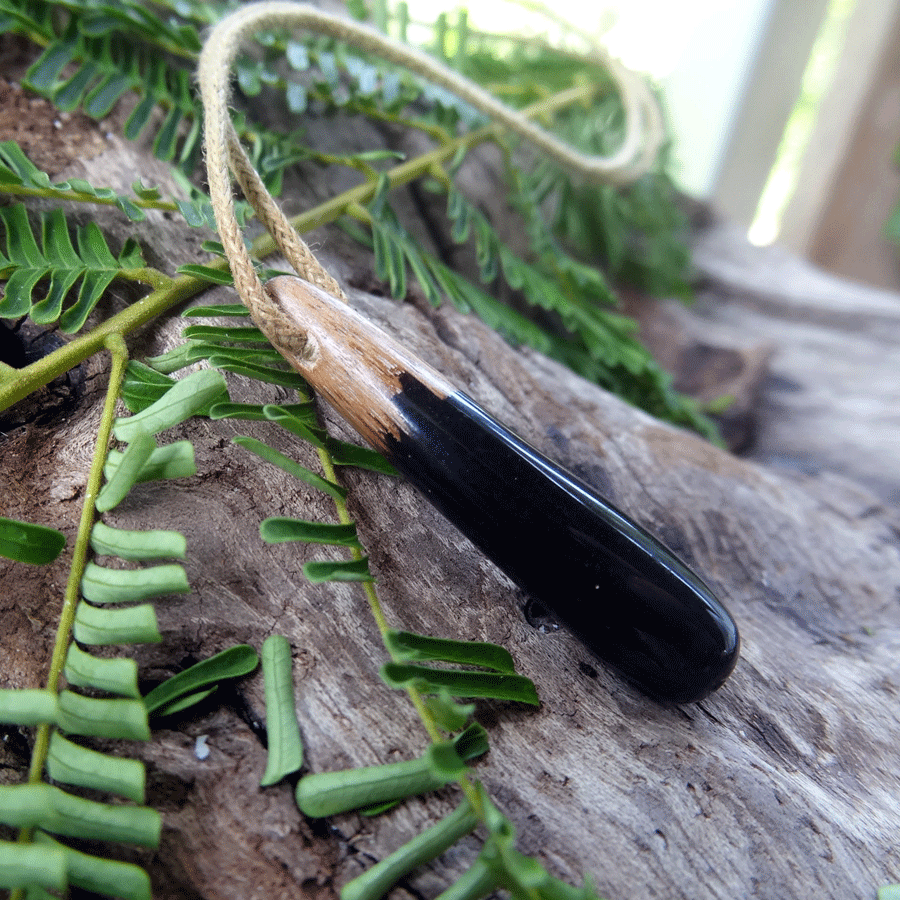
(155, 279)
(375, 604)
(116, 346)
(169, 292)
(401, 174)
(52, 193)
(44, 370)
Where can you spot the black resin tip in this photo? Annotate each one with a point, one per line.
(613, 584)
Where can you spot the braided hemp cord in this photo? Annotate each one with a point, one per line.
(223, 150)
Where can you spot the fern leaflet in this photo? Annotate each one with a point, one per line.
(91, 268)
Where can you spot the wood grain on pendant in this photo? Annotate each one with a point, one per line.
(620, 590)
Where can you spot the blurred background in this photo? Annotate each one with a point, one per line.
(786, 113)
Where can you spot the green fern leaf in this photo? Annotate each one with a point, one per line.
(113, 675)
(329, 793)
(271, 455)
(461, 683)
(277, 530)
(26, 264)
(346, 454)
(408, 647)
(285, 747)
(18, 171)
(376, 881)
(22, 866)
(139, 545)
(175, 460)
(184, 399)
(234, 662)
(255, 412)
(72, 764)
(238, 363)
(28, 543)
(101, 585)
(33, 805)
(104, 627)
(107, 718)
(106, 877)
(44, 73)
(28, 707)
(116, 50)
(320, 571)
(126, 473)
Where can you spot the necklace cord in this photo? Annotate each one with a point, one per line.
(225, 155)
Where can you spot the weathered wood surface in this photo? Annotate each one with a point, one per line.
(784, 784)
(832, 399)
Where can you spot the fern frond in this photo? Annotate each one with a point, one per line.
(107, 877)
(461, 683)
(376, 881)
(321, 570)
(20, 176)
(94, 56)
(119, 712)
(405, 646)
(91, 268)
(33, 18)
(329, 793)
(523, 876)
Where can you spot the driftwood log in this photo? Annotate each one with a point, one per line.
(783, 784)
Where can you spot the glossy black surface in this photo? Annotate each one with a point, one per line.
(625, 595)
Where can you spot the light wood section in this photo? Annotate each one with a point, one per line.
(356, 366)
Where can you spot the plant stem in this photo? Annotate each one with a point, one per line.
(169, 292)
(44, 370)
(422, 165)
(116, 346)
(53, 193)
(375, 604)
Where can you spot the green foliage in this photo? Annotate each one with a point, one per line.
(376, 881)
(523, 876)
(278, 530)
(276, 458)
(71, 763)
(285, 748)
(329, 793)
(139, 545)
(106, 877)
(102, 628)
(192, 683)
(636, 234)
(125, 474)
(580, 241)
(19, 174)
(184, 399)
(110, 612)
(112, 675)
(428, 680)
(406, 646)
(596, 342)
(22, 867)
(28, 543)
(93, 56)
(91, 268)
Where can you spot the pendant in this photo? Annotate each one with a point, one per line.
(625, 595)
